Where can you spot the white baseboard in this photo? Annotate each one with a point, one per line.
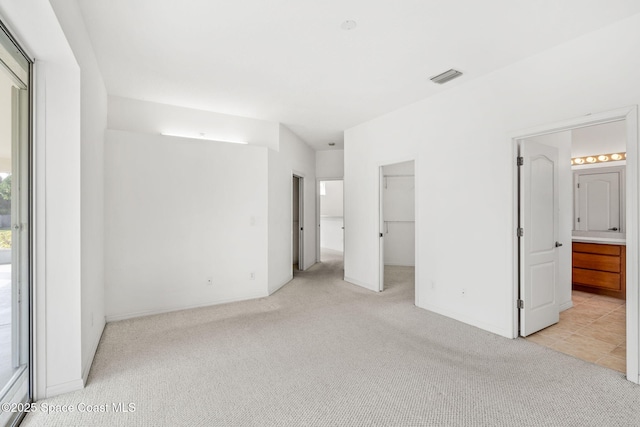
(469, 321)
(124, 316)
(277, 288)
(360, 283)
(393, 264)
(566, 306)
(89, 361)
(65, 387)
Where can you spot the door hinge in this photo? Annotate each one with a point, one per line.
(520, 161)
(520, 232)
(578, 219)
(578, 185)
(381, 235)
(520, 304)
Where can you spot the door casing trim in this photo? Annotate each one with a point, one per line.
(632, 196)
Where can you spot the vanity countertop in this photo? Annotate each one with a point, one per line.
(603, 240)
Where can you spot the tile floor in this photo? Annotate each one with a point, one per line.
(594, 329)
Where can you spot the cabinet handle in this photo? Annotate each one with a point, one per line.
(613, 229)
(558, 244)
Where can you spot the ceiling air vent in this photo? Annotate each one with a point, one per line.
(446, 76)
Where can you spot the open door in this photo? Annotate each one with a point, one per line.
(301, 223)
(381, 227)
(297, 230)
(538, 232)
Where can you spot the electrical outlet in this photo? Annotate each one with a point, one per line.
(252, 276)
(209, 281)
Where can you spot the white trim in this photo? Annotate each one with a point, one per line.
(63, 388)
(39, 235)
(132, 315)
(630, 114)
(361, 284)
(632, 234)
(318, 248)
(416, 193)
(416, 230)
(395, 264)
(472, 321)
(301, 210)
(380, 228)
(566, 306)
(88, 362)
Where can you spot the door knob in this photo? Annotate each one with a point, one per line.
(558, 244)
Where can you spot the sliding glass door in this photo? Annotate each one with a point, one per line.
(15, 344)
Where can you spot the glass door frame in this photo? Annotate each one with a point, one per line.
(18, 391)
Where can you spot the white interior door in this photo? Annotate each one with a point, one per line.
(381, 226)
(539, 267)
(300, 223)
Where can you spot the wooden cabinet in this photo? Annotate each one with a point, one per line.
(600, 269)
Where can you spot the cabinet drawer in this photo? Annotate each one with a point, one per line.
(595, 248)
(596, 262)
(599, 279)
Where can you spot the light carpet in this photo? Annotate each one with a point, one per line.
(323, 352)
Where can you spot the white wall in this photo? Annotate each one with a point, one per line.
(330, 164)
(331, 203)
(179, 211)
(464, 168)
(57, 278)
(600, 139)
(293, 156)
(93, 124)
(562, 141)
(153, 118)
(398, 194)
(332, 216)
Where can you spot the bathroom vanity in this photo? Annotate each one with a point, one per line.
(599, 266)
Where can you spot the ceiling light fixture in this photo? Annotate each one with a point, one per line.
(349, 25)
(599, 158)
(201, 136)
(446, 76)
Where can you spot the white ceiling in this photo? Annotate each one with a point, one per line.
(289, 61)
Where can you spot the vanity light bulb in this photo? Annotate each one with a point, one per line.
(616, 156)
(603, 158)
(591, 159)
(579, 161)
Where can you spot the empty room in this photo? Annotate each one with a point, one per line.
(319, 213)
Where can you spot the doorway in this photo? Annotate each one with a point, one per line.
(330, 220)
(15, 344)
(397, 227)
(553, 272)
(297, 226)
